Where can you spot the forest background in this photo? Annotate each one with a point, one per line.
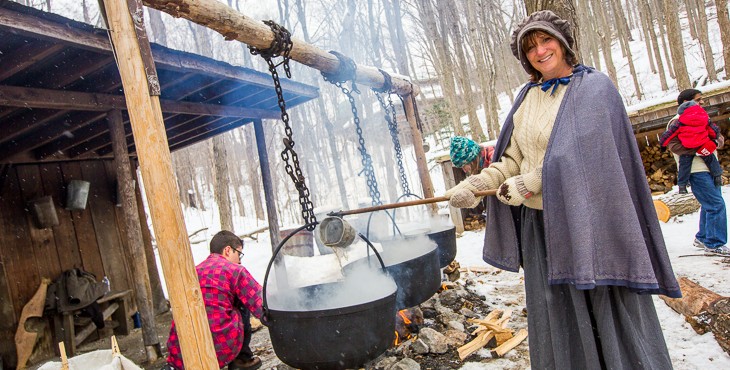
(457, 51)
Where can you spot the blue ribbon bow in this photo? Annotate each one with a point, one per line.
(554, 82)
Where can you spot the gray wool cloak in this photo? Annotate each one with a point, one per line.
(601, 227)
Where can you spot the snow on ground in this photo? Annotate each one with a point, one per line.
(504, 289)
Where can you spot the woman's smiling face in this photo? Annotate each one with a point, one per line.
(546, 55)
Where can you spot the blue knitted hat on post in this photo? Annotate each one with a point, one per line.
(463, 150)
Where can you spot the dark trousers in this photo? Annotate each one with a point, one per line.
(685, 167)
(245, 354)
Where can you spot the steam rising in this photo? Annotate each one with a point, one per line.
(364, 285)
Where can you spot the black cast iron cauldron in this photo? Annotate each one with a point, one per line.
(338, 338)
(418, 278)
(446, 241)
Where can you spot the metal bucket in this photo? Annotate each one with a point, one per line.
(77, 192)
(301, 244)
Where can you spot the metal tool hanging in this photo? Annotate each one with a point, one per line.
(390, 118)
(346, 73)
(280, 47)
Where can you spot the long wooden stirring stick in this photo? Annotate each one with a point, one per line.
(405, 204)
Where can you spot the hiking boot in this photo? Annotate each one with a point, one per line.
(682, 189)
(722, 250)
(251, 364)
(698, 244)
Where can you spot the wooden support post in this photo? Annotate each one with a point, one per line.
(135, 243)
(148, 129)
(426, 183)
(279, 267)
(159, 302)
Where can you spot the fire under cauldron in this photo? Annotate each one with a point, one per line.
(331, 338)
(418, 277)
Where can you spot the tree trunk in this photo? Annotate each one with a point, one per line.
(221, 183)
(645, 12)
(605, 35)
(674, 32)
(658, 11)
(251, 164)
(442, 63)
(690, 7)
(481, 63)
(723, 20)
(624, 39)
(397, 35)
(645, 24)
(449, 13)
(704, 310)
(705, 40)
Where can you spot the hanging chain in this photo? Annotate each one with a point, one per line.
(390, 117)
(347, 72)
(280, 47)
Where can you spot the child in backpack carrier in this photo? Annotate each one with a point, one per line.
(699, 136)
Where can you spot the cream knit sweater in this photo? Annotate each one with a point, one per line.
(533, 124)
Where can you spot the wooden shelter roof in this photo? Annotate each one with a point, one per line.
(59, 78)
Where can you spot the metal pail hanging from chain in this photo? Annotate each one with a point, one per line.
(336, 233)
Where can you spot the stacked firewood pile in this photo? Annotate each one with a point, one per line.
(661, 169)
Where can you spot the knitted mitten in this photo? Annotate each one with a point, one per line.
(515, 190)
(462, 195)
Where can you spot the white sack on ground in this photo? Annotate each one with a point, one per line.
(98, 360)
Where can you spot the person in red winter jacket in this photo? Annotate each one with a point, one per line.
(697, 134)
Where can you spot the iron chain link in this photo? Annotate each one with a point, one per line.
(281, 46)
(347, 72)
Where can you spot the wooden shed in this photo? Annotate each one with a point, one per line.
(59, 83)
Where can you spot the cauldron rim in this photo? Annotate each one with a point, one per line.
(340, 310)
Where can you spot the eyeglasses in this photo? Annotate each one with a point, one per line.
(240, 252)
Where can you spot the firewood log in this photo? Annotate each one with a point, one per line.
(704, 309)
(675, 204)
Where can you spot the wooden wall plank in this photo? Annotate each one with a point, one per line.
(67, 246)
(15, 245)
(105, 224)
(42, 240)
(83, 225)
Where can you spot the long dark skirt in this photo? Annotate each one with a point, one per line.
(608, 327)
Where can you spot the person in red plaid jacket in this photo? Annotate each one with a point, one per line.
(231, 295)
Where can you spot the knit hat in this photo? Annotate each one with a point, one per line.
(463, 150)
(548, 22)
(686, 105)
(688, 94)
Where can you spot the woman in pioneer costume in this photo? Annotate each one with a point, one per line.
(588, 238)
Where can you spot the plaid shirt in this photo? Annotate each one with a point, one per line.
(222, 284)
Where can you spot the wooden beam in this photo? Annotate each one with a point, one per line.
(47, 134)
(164, 57)
(426, 184)
(138, 259)
(235, 26)
(52, 99)
(26, 56)
(188, 309)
